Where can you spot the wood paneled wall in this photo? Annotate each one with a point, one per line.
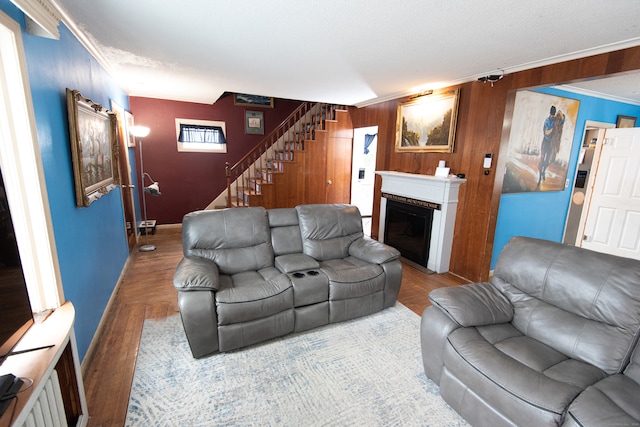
(481, 118)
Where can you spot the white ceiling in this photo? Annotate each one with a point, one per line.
(354, 52)
(623, 87)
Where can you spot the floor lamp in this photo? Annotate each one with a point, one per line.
(140, 132)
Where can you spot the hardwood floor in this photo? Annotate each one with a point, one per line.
(146, 291)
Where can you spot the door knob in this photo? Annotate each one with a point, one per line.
(329, 182)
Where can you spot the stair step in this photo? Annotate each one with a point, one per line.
(245, 196)
(294, 145)
(284, 155)
(256, 184)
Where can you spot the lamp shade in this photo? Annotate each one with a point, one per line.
(139, 131)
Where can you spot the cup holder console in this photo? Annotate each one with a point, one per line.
(300, 274)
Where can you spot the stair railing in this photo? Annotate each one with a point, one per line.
(300, 125)
(238, 172)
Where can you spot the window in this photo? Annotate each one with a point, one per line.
(201, 136)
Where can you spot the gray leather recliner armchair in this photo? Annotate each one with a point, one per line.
(547, 342)
(250, 275)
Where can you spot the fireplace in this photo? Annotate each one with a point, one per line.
(408, 228)
(438, 195)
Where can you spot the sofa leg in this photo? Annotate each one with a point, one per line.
(198, 312)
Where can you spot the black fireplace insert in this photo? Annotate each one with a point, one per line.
(408, 229)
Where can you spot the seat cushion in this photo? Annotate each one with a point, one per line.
(352, 278)
(614, 401)
(515, 374)
(252, 295)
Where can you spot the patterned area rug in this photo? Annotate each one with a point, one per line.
(366, 371)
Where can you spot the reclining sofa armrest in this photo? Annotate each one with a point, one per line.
(196, 274)
(372, 251)
(475, 304)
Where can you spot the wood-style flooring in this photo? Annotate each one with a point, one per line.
(146, 291)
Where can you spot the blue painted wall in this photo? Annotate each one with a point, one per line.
(91, 242)
(543, 214)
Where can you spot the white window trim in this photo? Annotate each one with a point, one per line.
(23, 174)
(195, 147)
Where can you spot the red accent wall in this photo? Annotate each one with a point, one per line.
(190, 181)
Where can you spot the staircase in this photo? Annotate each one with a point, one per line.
(275, 173)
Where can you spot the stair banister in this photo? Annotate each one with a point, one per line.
(237, 170)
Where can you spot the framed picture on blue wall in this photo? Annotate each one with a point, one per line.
(94, 148)
(540, 142)
(626, 121)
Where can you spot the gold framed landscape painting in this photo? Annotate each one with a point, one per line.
(428, 123)
(94, 148)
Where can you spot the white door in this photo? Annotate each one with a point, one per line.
(612, 218)
(363, 166)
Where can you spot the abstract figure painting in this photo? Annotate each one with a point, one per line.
(540, 141)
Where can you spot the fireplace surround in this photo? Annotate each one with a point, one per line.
(439, 194)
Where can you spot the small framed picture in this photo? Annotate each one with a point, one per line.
(626, 121)
(254, 122)
(131, 140)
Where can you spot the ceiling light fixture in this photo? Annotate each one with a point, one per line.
(492, 78)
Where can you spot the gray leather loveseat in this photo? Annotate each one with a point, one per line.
(250, 274)
(551, 340)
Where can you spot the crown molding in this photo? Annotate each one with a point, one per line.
(625, 44)
(42, 17)
(79, 34)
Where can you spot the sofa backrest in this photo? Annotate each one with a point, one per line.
(236, 239)
(584, 304)
(285, 231)
(328, 230)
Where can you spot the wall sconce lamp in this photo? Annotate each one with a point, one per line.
(140, 132)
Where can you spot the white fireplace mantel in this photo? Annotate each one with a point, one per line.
(428, 188)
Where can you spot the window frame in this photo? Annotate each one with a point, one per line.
(200, 147)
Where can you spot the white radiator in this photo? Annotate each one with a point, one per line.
(48, 409)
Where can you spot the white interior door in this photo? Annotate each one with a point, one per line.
(363, 166)
(612, 218)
